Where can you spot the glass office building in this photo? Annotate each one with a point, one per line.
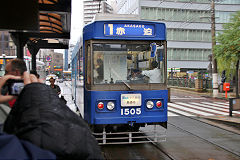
(188, 26)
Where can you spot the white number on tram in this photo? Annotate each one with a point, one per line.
(131, 111)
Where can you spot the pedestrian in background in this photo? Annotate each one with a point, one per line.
(55, 87)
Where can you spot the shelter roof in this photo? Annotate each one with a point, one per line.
(38, 19)
(54, 21)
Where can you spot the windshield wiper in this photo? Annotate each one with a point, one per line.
(129, 87)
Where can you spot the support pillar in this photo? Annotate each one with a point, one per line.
(66, 60)
(33, 48)
(20, 40)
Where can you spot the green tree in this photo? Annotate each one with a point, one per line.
(227, 51)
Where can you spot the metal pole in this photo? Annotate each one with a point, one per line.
(237, 79)
(66, 60)
(34, 66)
(214, 61)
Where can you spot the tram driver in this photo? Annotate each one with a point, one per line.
(154, 74)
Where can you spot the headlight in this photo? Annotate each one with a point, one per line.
(149, 104)
(110, 106)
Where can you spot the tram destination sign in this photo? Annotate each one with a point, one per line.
(129, 29)
(131, 100)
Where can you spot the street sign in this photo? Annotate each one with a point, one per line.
(48, 59)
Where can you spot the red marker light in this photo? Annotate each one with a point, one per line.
(159, 104)
(100, 105)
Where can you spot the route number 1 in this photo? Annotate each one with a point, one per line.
(111, 29)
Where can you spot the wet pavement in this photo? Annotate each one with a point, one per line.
(205, 99)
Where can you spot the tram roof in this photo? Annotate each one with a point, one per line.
(38, 20)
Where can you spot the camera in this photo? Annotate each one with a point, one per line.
(15, 86)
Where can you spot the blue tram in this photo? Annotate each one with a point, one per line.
(124, 68)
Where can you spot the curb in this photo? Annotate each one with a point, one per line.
(228, 120)
(202, 94)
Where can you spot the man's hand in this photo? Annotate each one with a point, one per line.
(3, 80)
(30, 78)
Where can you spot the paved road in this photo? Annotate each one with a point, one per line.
(67, 93)
(203, 108)
(197, 104)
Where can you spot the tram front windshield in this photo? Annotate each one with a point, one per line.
(128, 63)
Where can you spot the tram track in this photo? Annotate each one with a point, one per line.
(200, 119)
(210, 142)
(205, 139)
(168, 150)
(163, 151)
(135, 151)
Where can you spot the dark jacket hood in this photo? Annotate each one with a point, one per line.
(40, 117)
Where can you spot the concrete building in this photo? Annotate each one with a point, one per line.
(56, 59)
(91, 7)
(7, 46)
(56, 65)
(188, 26)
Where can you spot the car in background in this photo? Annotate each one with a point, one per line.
(60, 80)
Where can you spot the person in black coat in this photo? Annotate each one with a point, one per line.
(40, 117)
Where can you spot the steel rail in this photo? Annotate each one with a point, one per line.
(210, 142)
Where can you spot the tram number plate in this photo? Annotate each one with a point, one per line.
(130, 111)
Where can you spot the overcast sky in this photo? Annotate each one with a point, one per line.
(76, 22)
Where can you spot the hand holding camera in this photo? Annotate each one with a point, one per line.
(15, 85)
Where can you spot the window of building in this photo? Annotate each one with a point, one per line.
(223, 17)
(189, 35)
(188, 54)
(170, 14)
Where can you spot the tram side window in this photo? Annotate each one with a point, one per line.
(88, 64)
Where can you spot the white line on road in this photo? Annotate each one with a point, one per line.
(170, 114)
(190, 110)
(226, 104)
(213, 107)
(180, 112)
(223, 108)
(203, 109)
(212, 104)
